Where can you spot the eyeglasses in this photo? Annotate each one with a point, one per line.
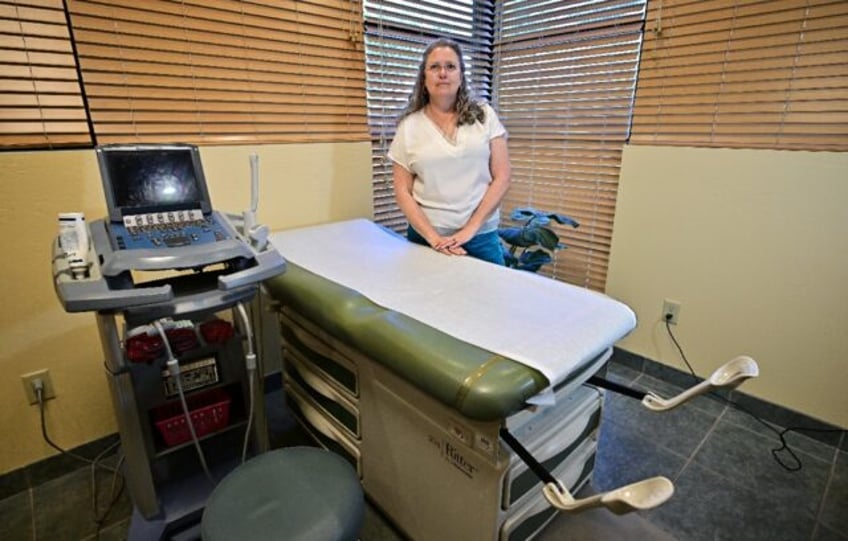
(450, 67)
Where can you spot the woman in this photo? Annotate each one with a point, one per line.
(450, 162)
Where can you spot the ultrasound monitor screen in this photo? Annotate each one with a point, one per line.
(152, 179)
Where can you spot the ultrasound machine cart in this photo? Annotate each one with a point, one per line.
(160, 220)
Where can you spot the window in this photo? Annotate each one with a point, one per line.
(744, 75)
(565, 75)
(396, 33)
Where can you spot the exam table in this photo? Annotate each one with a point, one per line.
(416, 367)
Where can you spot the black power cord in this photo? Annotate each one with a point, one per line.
(97, 518)
(795, 464)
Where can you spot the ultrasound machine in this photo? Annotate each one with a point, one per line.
(160, 218)
(170, 281)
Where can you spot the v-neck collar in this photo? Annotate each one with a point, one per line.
(452, 141)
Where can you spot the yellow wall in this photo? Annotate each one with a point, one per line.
(299, 185)
(754, 244)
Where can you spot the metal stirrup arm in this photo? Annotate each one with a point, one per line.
(644, 494)
(616, 387)
(541, 472)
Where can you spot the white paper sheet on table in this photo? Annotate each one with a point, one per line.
(542, 323)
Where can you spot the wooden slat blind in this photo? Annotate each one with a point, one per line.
(397, 31)
(222, 71)
(564, 82)
(752, 74)
(41, 103)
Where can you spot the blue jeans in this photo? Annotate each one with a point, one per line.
(485, 246)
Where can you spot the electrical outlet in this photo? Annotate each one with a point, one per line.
(671, 308)
(48, 391)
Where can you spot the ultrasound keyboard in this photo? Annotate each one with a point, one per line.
(167, 230)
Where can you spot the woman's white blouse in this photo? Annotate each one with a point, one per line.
(449, 177)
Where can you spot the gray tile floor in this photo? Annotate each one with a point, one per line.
(727, 485)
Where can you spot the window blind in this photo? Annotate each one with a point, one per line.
(222, 71)
(396, 33)
(564, 83)
(768, 74)
(41, 103)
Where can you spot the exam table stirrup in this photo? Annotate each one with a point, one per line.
(645, 494)
(648, 493)
(728, 376)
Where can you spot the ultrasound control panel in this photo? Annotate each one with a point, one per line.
(174, 229)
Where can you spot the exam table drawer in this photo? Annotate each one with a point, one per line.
(330, 363)
(327, 397)
(552, 436)
(329, 434)
(526, 520)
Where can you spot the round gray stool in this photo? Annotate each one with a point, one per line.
(294, 493)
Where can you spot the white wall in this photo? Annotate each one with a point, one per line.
(300, 185)
(754, 244)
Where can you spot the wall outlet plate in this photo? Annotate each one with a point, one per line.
(44, 375)
(671, 308)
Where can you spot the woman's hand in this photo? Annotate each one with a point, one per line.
(451, 245)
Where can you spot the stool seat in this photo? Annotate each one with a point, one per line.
(294, 493)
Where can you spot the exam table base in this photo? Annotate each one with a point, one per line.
(434, 473)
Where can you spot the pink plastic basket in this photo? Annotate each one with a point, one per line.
(210, 412)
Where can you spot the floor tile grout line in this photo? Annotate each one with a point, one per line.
(769, 435)
(820, 507)
(774, 433)
(706, 434)
(701, 443)
(816, 522)
(31, 493)
(827, 485)
(645, 438)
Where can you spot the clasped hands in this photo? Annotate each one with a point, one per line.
(451, 245)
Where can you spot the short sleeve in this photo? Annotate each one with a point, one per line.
(397, 150)
(493, 125)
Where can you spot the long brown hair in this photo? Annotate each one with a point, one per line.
(468, 110)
